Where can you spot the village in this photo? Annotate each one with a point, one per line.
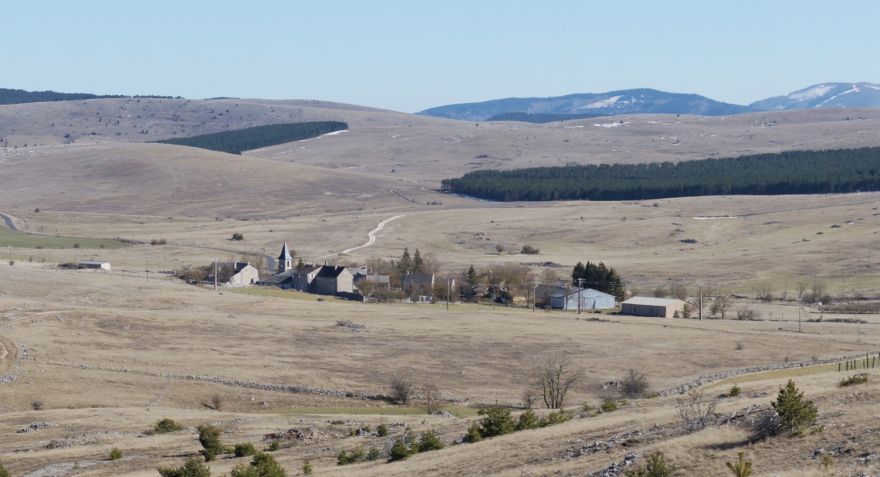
(414, 280)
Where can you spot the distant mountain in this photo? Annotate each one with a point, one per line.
(19, 96)
(826, 95)
(630, 101)
(539, 117)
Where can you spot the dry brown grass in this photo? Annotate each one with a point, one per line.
(104, 344)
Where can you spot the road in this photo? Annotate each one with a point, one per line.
(370, 240)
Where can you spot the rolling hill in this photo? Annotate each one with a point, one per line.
(826, 95)
(630, 101)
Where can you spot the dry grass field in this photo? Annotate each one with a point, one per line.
(137, 340)
(91, 360)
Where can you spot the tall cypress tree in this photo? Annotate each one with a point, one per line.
(406, 264)
(418, 265)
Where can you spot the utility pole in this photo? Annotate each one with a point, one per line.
(580, 295)
(701, 304)
(448, 286)
(799, 316)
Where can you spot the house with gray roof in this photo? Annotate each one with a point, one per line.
(234, 274)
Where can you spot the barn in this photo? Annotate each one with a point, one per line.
(585, 299)
(649, 306)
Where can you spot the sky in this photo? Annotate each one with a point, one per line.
(412, 55)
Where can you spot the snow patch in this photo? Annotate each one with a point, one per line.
(873, 86)
(336, 133)
(611, 125)
(854, 89)
(715, 217)
(602, 103)
(811, 93)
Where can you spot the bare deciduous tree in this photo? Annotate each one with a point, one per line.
(401, 389)
(432, 397)
(764, 293)
(366, 288)
(695, 411)
(529, 396)
(721, 305)
(802, 290)
(556, 377)
(678, 291)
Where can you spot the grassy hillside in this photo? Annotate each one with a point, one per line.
(794, 172)
(239, 140)
(12, 238)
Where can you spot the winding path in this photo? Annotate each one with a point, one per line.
(372, 235)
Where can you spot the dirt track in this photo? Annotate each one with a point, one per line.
(8, 353)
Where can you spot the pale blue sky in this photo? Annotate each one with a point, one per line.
(410, 55)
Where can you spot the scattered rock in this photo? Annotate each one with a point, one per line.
(35, 426)
(617, 468)
(351, 326)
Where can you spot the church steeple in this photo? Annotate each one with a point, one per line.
(285, 260)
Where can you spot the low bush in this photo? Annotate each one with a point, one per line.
(429, 441)
(399, 451)
(382, 430)
(192, 468)
(166, 425)
(3, 471)
(262, 465)
(657, 466)
(307, 468)
(209, 438)
(528, 420)
(496, 421)
(735, 391)
(374, 454)
(473, 433)
(529, 250)
(115, 454)
(609, 405)
(556, 417)
(244, 449)
(274, 446)
(237, 236)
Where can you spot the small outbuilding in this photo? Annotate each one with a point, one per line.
(649, 306)
(94, 265)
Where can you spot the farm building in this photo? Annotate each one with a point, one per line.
(295, 279)
(585, 299)
(418, 283)
(332, 280)
(235, 274)
(648, 306)
(94, 264)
